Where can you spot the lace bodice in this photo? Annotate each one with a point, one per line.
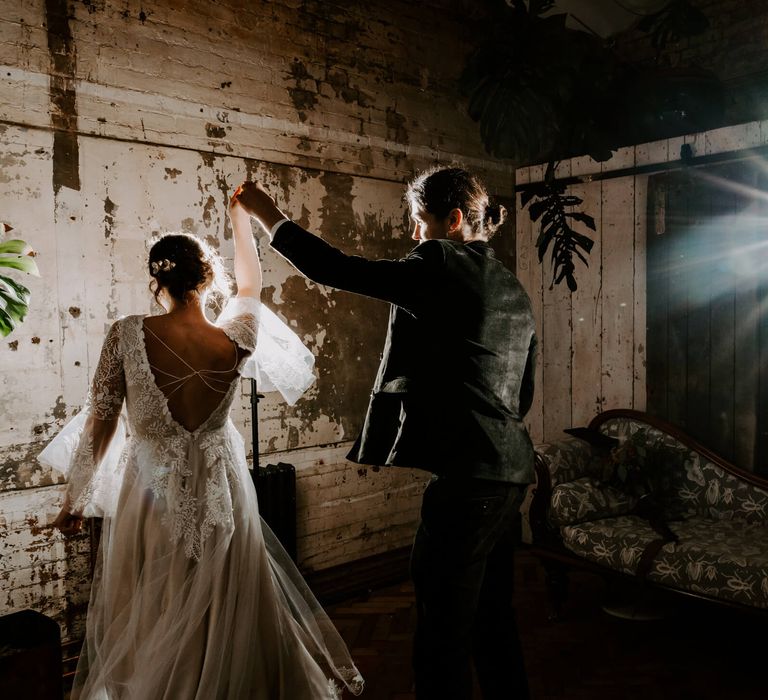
(124, 372)
(147, 406)
(191, 514)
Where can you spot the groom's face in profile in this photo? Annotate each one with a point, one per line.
(426, 226)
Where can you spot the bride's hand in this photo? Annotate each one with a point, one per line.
(237, 213)
(67, 523)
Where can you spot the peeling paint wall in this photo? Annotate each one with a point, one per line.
(119, 120)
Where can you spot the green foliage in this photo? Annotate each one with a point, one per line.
(14, 297)
(542, 92)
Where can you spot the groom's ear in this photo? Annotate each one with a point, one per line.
(455, 219)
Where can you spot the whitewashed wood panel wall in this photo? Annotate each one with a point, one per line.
(592, 342)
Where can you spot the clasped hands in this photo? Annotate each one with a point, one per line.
(252, 199)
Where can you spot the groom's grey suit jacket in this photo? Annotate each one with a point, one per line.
(456, 375)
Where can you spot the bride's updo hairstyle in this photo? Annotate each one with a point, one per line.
(440, 190)
(182, 264)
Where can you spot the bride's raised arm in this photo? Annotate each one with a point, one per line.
(280, 362)
(247, 263)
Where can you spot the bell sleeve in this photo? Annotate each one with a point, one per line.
(89, 449)
(279, 361)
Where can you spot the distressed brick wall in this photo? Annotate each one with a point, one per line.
(120, 119)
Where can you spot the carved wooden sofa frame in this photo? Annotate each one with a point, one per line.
(720, 515)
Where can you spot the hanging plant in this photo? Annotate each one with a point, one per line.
(548, 201)
(527, 83)
(15, 254)
(676, 20)
(542, 92)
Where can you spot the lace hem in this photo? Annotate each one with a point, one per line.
(352, 679)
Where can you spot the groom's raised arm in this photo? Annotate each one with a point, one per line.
(405, 282)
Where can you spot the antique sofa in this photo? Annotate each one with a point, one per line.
(707, 535)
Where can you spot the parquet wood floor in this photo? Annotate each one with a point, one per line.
(696, 652)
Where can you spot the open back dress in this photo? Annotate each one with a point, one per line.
(192, 597)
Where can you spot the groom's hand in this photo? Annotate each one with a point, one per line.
(259, 204)
(255, 199)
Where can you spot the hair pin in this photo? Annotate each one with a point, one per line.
(164, 265)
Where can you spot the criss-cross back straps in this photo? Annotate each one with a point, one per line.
(203, 374)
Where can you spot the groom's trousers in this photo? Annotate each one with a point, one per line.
(462, 566)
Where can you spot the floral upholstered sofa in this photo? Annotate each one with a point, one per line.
(634, 495)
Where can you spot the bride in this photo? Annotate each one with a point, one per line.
(192, 597)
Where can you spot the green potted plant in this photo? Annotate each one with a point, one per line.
(15, 254)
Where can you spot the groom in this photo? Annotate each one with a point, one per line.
(455, 380)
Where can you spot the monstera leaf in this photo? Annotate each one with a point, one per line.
(549, 202)
(14, 297)
(542, 91)
(529, 80)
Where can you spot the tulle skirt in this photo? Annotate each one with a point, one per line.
(237, 623)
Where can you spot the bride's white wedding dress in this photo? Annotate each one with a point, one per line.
(193, 597)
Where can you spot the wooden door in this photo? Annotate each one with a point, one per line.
(707, 307)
